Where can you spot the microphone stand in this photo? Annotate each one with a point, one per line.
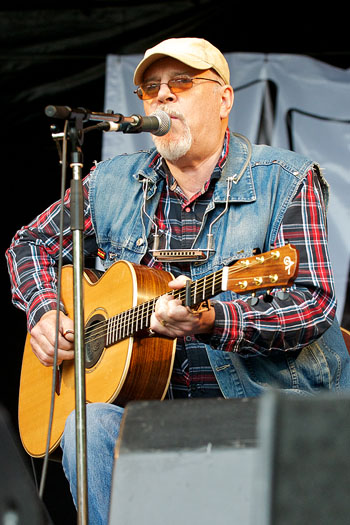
(76, 136)
(75, 119)
(77, 226)
(75, 132)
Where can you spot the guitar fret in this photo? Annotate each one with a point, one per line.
(116, 328)
(213, 286)
(140, 317)
(120, 326)
(146, 314)
(109, 329)
(133, 321)
(111, 334)
(117, 334)
(113, 330)
(127, 323)
(137, 318)
(204, 287)
(152, 310)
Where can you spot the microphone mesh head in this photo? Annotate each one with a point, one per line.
(164, 123)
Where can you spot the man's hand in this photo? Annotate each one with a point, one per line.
(172, 319)
(43, 338)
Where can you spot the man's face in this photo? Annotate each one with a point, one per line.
(196, 114)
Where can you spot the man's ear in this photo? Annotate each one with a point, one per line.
(226, 101)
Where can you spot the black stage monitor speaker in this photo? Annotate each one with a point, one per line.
(304, 474)
(185, 461)
(19, 500)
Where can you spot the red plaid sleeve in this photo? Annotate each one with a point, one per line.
(33, 254)
(310, 307)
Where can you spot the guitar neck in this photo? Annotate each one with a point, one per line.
(276, 268)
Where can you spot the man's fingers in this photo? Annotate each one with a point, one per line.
(179, 282)
(43, 339)
(68, 334)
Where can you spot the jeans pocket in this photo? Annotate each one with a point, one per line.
(311, 369)
(305, 370)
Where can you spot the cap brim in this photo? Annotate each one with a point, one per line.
(148, 61)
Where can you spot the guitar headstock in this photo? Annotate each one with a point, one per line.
(274, 269)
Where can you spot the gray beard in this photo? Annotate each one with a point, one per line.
(173, 149)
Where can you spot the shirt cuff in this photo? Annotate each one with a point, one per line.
(225, 335)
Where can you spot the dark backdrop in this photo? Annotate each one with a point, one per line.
(56, 55)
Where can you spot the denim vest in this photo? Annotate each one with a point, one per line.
(255, 189)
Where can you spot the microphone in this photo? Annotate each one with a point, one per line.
(158, 123)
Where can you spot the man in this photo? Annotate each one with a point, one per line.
(201, 182)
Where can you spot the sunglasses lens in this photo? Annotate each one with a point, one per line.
(176, 85)
(139, 93)
(147, 92)
(180, 84)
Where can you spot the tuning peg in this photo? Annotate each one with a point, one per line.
(253, 300)
(282, 294)
(268, 298)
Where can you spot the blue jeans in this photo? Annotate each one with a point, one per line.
(102, 427)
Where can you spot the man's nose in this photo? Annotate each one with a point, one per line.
(165, 93)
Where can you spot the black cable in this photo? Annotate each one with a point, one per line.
(54, 368)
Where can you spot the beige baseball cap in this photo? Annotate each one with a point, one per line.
(195, 52)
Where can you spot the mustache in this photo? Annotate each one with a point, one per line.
(172, 112)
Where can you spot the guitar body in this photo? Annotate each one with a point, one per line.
(132, 369)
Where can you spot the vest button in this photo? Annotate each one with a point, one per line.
(139, 242)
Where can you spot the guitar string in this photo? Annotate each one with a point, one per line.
(134, 314)
(142, 312)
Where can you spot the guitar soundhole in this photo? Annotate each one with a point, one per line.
(95, 337)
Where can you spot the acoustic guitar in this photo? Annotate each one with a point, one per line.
(123, 363)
